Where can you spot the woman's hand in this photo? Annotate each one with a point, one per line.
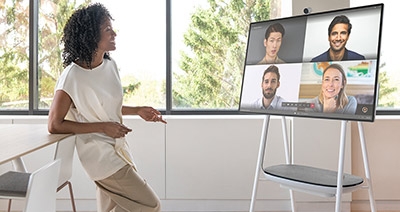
(150, 114)
(115, 129)
(330, 104)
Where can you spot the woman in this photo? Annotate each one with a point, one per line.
(332, 97)
(88, 103)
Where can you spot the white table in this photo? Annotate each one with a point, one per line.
(17, 140)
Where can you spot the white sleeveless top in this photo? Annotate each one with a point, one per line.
(97, 97)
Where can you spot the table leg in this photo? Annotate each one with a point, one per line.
(19, 165)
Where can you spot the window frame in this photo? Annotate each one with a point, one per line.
(34, 83)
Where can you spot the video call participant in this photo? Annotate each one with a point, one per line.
(332, 97)
(272, 42)
(269, 85)
(338, 34)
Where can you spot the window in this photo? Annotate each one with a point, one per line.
(141, 50)
(208, 50)
(14, 55)
(179, 56)
(52, 18)
(389, 94)
(140, 53)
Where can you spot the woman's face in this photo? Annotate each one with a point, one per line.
(332, 83)
(107, 37)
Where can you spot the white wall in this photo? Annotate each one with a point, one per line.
(383, 144)
(206, 163)
(318, 5)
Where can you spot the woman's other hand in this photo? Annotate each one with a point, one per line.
(150, 114)
(115, 129)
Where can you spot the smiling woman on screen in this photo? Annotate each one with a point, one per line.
(333, 97)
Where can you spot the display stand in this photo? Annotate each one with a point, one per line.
(312, 180)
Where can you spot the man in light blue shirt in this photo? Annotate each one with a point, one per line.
(270, 83)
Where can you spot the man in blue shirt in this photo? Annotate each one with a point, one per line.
(269, 85)
(338, 34)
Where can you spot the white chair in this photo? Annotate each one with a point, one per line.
(65, 153)
(37, 189)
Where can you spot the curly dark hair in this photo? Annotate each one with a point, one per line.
(82, 34)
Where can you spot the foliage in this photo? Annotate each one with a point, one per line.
(14, 64)
(137, 93)
(130, 85)
(14, 47)
(217, 39)
(53, 16)
(386, 91)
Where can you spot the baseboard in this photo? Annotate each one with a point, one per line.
(222, 206)
(381, 205)
(89, 205)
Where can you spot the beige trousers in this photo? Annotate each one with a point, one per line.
(126, 191)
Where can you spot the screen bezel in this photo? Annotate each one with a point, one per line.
(370, 117)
